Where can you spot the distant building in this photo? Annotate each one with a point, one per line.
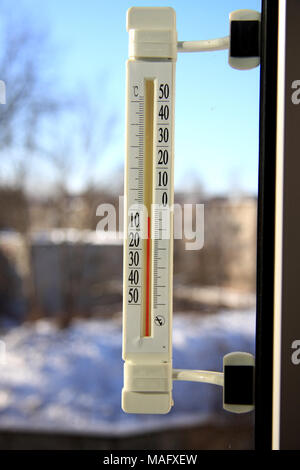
(228, 257)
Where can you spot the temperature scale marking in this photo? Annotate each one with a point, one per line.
(149, 197)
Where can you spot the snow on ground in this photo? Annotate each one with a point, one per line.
(71, 380)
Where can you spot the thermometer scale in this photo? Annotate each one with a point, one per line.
(149, 190)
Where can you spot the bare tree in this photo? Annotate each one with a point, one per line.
(30, 92)
(30, 100)
(38, 122)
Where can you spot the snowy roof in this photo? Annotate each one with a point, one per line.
(71, 235)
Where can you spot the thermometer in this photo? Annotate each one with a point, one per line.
(149, 195)
(148, 245)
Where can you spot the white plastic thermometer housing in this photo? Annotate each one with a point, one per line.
(148, 244)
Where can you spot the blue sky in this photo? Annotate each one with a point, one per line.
(216, 138)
